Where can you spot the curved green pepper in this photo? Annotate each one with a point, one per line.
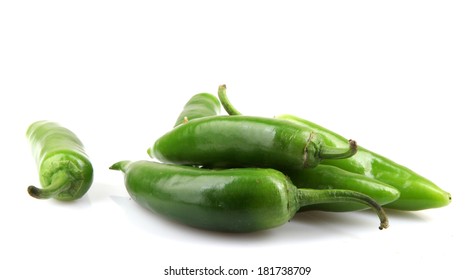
(65, 171)
(200, 105)
(416, 192)
(330, 177)
(243, 141)
(232, 200)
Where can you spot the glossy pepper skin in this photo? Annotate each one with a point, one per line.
(200, 105)
(416, 192)
(65, 171)
(330, 177)
(230, 200)
(243, 141)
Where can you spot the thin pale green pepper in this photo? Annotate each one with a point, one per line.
(416, 191)
(65, 171)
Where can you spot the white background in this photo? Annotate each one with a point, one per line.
(394, 75)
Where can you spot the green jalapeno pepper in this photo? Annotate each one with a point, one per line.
(200, 105)
(237, 141)
(331, 177)
(233, 200)
(416, 192)
(65, 171)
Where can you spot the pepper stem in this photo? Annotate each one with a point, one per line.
(339, 153)
(59, 183)
(312, 196)
(223, 98)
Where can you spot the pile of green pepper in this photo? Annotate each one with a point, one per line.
(239, 173)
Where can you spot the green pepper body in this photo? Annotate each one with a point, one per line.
(65, 172)
(231, 200)
(243, 141)
(416, 192)
(200, 105)
(331, 177)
